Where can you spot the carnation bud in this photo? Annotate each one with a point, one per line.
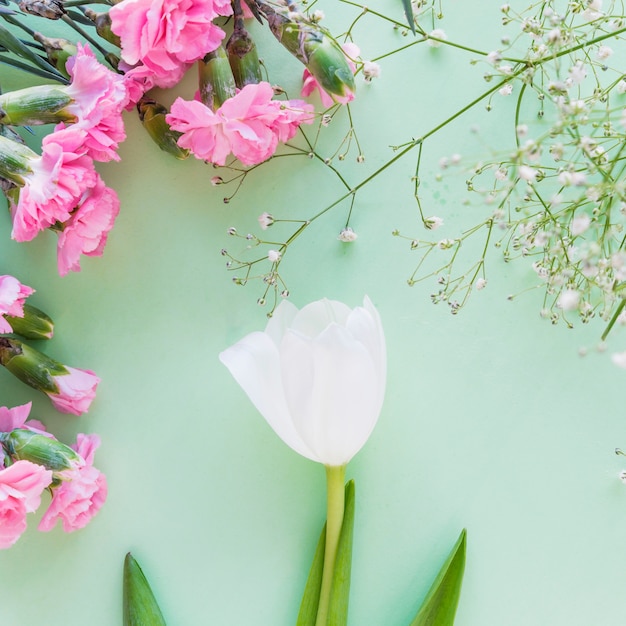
(243, 58)
(58, 50)
(140, 605)
(216, 80)
(26, 445)
(35, 324)
(42, 104)
(152, 116)
(102, 22)
(50, 9)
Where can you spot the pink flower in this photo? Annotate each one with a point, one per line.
(81, 493)
(55, 185)
(10, 419)
(76, 390)
(249, 125)
(12, 296)
(99, 96)
(310, 84)
(87, 229)
(166, 36)
(21, 485)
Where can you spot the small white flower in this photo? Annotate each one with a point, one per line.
(507, 90)
(481, 283)
(604, 52)
(619, 359)
(455, 159)
(445, 244)
(438, 33)
(622, 476)
(318, 16)
(217, 180)
(527, 173)
(500, 174)
(506, 69)
(371, 70)
(433, 222)
(568, 300)
(621, 86)
(521, 130)
(347, 235)
(578, 72)
(580, 224)
(493, 57)
(274, 256)
(265, 220)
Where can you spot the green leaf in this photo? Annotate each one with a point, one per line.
(408, 11)
(312, 589)
(340, 590)
(140, 605)
(439, 607)
(338, 610)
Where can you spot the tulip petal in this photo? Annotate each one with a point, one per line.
(254, 363)
(331, 390)
(315, 317)
(281, 319)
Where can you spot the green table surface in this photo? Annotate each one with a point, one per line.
(492, 421)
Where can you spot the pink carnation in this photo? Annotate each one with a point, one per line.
(21, 486)
(310, 84)
(166, 36)
(99, 96)
(87, 229)
(249, 125)
(12, 296)
(76, 391)
(81, 493)
(57, 182)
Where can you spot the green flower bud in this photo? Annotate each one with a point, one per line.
(50, 9)
(314, 47)
(152, 116)
(31, 366)
(26, 445)
(216, 80)
(102, 22)
(243, 58)
(34, 325)
(58, 51)
(14, 159)
(42, 104)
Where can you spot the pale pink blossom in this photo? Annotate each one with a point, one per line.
(76, 390)
(21, 486)
(249, 125)
(166, 36)
(310, 83)
(87, 229)
(99, 96)
(82, 491)
(12, 297)
(56, 183)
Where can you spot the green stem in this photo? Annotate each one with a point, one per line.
(335, 498)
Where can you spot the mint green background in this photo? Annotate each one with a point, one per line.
(492, 421)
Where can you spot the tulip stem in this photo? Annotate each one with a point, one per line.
(335, 501)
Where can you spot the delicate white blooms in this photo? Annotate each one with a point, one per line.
(580, 224)
(433, 222)
(438, 33)
(622, 476)
(500, 174)
(317, 375)
(371, 70)
(577, 72)
(568, 300)
(318, 15)
(604, 52)
(494, 57)
(619, 359)
(445, 244)
(621, 86)
(274, 256)
(265, 220)
(507, 90)
(481, 283)
(347, 235)
(575, 179)
(593, 10)
(527, 173)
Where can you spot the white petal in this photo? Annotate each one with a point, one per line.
(281, 319)
(315, 317)
(332, 392)
(255, 365)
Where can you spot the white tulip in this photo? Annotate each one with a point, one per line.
(317, 375)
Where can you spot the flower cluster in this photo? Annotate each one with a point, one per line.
(71, 390)
(60, 189)
(31, 461)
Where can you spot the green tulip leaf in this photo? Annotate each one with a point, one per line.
(338, 609)
(140, 605)
(439, 607)
(312, 589)
(408, 11)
